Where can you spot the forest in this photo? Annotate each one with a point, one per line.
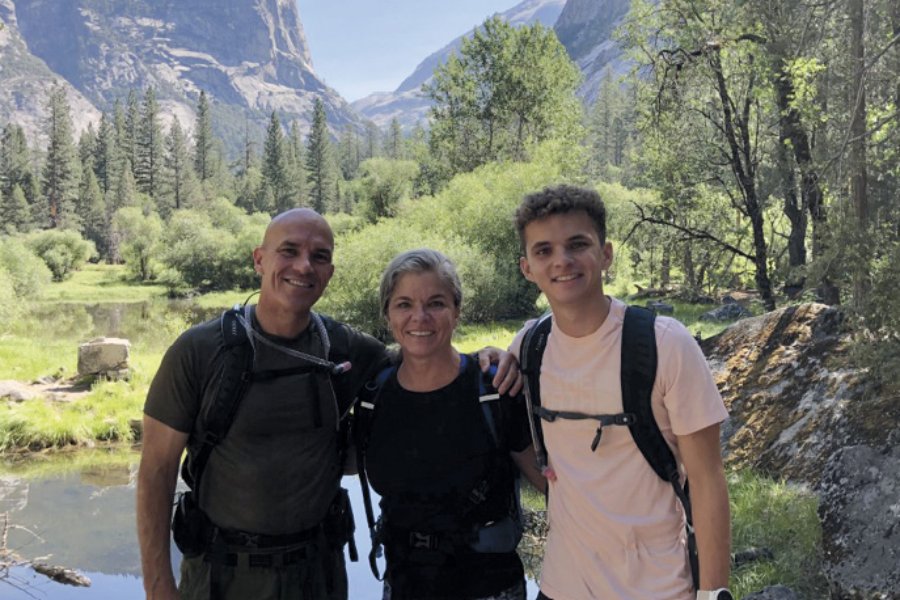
(752, 144)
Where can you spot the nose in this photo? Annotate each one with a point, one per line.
(419, 313)
(302, 263)
(562, 257)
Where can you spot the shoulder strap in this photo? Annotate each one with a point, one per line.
(236, 376)
(639, 364)
(531, 353)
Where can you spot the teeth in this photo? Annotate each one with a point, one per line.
(420, 333)
(566, 277)
(301, 284)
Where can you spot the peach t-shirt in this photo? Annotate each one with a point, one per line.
(616, 528)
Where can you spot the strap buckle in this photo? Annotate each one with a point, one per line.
(423, 541)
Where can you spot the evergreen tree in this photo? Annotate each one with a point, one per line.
(15, 214)
(274, 166)
(370, 145)
(60, 175)
(179, 179)
(349, 152)
(394, 141)
(87, 144)
(149, 147)
(91, 209)
(15, 166)
(320, 161)
(106, 153)
(131, 131)
(296, 167)
(203, 140)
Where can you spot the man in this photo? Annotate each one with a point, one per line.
(616, 528)
(260, 522)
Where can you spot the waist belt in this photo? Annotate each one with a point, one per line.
(259, 541)
(262, 561)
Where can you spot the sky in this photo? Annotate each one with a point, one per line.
(364, 46)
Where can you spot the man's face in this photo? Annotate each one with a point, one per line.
(564, 257)
(294, 261)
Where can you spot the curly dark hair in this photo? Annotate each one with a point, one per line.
(561, 199)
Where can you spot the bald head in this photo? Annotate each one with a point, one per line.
(304, 218)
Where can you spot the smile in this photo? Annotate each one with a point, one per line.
(420, 333)
(563, 278)
(299, 284)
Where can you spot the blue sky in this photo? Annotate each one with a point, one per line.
(364, 46)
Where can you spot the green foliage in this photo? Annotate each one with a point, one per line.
(211, 249)
(320, 161)
(63, 251)
(382, 185)
(27, 275)
(139, 235)
(774, 515)
(60, 173)
(506, 89)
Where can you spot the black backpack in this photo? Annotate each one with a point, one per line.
(638, 373)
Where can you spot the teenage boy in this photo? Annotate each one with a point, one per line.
(617, 531)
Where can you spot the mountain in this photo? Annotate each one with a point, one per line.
(408, 104)
(250, 56)
(26, 81)
(585, 28)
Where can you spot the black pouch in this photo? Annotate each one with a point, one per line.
(339, 525)
(190, 526)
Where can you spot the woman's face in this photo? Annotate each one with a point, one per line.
(421, 314)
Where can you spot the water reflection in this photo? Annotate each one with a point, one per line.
(83, 518)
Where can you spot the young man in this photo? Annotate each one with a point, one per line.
(617, 529)
(267, 505)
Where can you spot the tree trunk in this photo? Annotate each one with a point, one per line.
(857, 155)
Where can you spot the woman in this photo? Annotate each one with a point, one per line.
(442, 449)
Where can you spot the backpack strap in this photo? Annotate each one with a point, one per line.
(235, 379)
(531, 353)
(639, 364)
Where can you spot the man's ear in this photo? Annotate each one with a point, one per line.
(606, 256)
(525, 268)
(257, 260)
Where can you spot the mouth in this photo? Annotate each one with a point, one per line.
(420, 333)
(299, 284)
(565, 278)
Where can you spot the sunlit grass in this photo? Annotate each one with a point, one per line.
(42, 465)
(101, 283)
(782, 518)
(469, 338)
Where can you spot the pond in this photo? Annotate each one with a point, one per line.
(83, 518)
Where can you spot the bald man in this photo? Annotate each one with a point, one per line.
(264, 520)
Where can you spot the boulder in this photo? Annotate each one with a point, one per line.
(661, 308)
(104, 357)
(15, 391)
(726, 312)
(860, 513)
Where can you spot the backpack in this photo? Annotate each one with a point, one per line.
(638, 373)
(501, 536)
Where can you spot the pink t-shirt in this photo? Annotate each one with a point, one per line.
(616, 528)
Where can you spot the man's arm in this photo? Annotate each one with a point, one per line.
(702, 458)
(508, 379)
(526, 461)
(157, 475)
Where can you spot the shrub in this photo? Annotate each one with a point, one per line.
(63, 251)
(27, 274)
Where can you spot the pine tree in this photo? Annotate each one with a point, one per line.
(15, 214)
(91, 208)
(203, 140)
(179, 177)
(394, 140)
(130, 131)
(296, 167)
(15, 166)
(274, 167)
(320, 161)
(60, 174)
(149, 147)
(106, 153)
(349, 152)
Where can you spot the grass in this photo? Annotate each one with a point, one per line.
(101, 283)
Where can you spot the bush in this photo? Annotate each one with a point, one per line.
(63, 251)
(139, 235)
(26, 273)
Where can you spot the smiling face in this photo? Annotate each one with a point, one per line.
(294, 262)
(565, 258)
(422, 315)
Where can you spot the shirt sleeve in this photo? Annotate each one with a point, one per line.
(174, 397)
(688, 390)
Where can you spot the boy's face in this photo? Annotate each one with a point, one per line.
(564, 257)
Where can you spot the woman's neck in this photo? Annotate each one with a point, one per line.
(425, 374)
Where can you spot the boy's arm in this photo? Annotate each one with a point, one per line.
(702, 459)
(508, 379)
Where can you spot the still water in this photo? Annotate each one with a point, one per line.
(84, 519)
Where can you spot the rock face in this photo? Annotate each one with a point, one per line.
(250, 56)
(408, 104)
(26, 81)
(104, 357)
(585, 28)
(800, 409)
(860, 514)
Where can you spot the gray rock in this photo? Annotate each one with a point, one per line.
(727, 312)
(773, 592)
(15, 391)
(661, 308)
(106, 357)
(860, 513)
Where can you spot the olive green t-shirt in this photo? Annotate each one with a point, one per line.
(278, 468)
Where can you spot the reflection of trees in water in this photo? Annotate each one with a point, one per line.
(531, 548)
